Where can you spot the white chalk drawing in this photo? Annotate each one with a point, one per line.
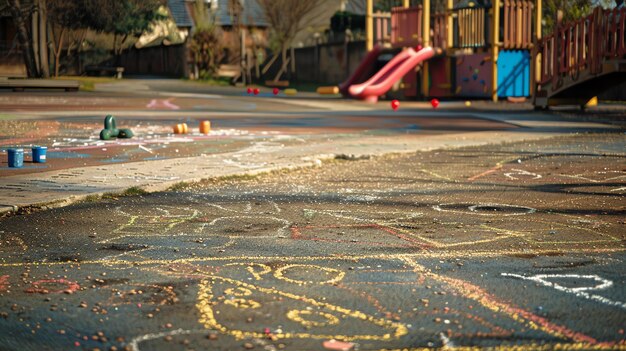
(517, 173)
(134, 343)
(361, 198)
(249, 209)
(582, 291)
(243, 165)
(283, 230)
(172, 227)
(604, 175)
(377, 217)
(482, 209)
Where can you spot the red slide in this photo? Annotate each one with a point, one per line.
(393, 71)
(363, 72)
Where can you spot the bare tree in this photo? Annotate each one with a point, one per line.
(286, 18)
(21, 14)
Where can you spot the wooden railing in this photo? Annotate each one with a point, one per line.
(406, 26)
(517, 17)
(382, 28)
(582, 45)
(470, 28)
(439, 21)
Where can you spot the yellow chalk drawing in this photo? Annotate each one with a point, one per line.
(157, 225)
(280, 274)
(528, 235)
(164, 222)
(250, 268)
(207, 303)
(436, 175)
(471, 241)
(441, 255)
(238, 291)
(296, 316)
(242, 303)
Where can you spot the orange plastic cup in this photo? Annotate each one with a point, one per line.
(205, 127)
(181, 128)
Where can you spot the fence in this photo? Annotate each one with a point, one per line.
(158, 60)
(406, 26)
(518, 18)
(470, 28)
(382, 28)
(583, 45)
(439, 22)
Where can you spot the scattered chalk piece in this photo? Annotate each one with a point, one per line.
(337, 345)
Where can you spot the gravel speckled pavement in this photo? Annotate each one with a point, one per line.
(449, 229)
(515, 246)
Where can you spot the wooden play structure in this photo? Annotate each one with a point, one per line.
(496, 51)
(581, 58)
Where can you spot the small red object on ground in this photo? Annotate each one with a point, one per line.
(275, 91)
(395, 104)
(249, 90)
(337, 345)
(434, 103)
(256, 91)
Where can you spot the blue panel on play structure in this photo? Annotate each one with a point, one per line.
(514, 73)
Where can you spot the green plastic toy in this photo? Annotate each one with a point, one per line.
(110, 130)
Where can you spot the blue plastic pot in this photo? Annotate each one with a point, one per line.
(16, 157)
(39, 154)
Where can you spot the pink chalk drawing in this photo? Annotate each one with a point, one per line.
(162, 104)
(4, 282)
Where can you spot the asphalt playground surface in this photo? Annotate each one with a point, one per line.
(512, 246)
(70, 124)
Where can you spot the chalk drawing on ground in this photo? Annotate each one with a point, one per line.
(359, 234)
(598, 283)
(485, 209)
(516, 174)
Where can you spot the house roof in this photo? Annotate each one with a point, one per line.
(252, 14)
(356, 6)
(468, 4)
(179, 12)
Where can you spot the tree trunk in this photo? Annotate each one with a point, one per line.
(43, 39)
(284, 57)
(22, 35)
(34, 40)
(114, 44)
(57, 52)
